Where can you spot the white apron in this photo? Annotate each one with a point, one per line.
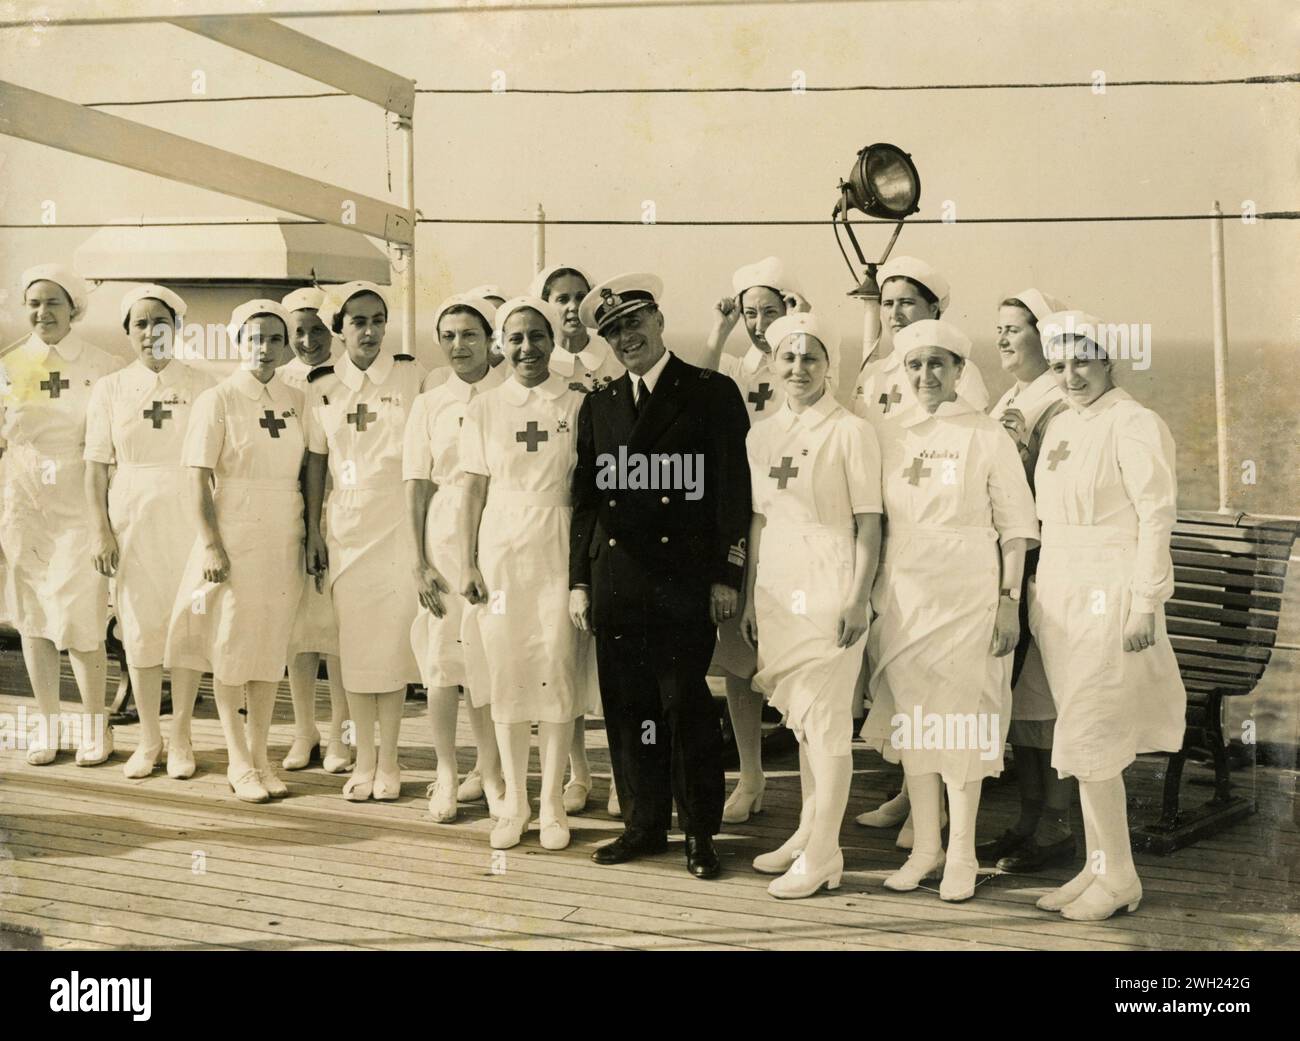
(138, 420)
(52, 589)
(1107, 498)
(953, 487)
(811, 473)
(431, 453)
(358, 418)
(250, 436)
(523, 654)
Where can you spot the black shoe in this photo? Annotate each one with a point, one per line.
(630, 846)
(1005, 845)
(702, 857)
(1033, 857)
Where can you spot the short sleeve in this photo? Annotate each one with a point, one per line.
(1145, 453)
(206, 435)
(971, 386)
(99, 425)
(1014, 514)
(417, 454)
(862, 466)
(473, 444)
(312, 430)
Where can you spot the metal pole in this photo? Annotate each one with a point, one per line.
(407, 253)
(539, 240)
(1219, 297)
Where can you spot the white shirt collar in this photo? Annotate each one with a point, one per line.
(172, 373)
(652, 377)
(462, 391)
(249, 385)
(1104, 403)
(1039, 387)
(592, 357)
(811, 417)
(353, 378)
(916, 414)
(753, 360)
(517, 394)
(68, 349)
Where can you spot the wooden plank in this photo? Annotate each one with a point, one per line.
(1221, 634)
(1250, 565)
(1247, 548)
(1225, 579)
(1251, 600)
(278, 44)
(52, 121)
(1226, 654)
(1222, 615)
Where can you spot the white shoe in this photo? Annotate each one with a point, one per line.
(442, 803)
(804, 880)
(1060, 898)
(778, 862)
(743, 802)
(359, 787)
(388, 786)
(889, 814)
(301, 753)
(95, 751)
(180, 761)
(958, 883)
(612, 807)
(554, 833)
(275, 787)
(508, 832)
(918, 868)
(248, 786)
(41, 755)
(471, 789)
(337, 758)
(575, 797)
(143, 762)
(1098, 902)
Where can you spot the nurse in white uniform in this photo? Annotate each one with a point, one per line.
(763, 292)
(1107, 499)
(356, 419)
(243, 581)
(315, 629)
(518, 450)
(588, 364)
(1041, 836)
(57, 599)
(959, 518)
(430, 467)
(814, 544)
(910, 291)
(136, 422)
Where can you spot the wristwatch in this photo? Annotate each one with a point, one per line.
(1012, 594)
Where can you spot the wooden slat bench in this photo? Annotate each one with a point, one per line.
(1223, 618)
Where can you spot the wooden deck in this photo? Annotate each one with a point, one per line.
(91, 860)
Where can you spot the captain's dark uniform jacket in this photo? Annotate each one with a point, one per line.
(650, 555)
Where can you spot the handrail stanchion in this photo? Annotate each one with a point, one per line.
(1219, 297)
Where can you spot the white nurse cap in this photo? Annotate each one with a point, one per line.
(251, 309)
(485, 308)
(546, 309)
(538, 285)
(488, 292)
(62, 277)
(1058, 325)
(336, 298)
(769, 272)
(918, 271)
(152, 292)
(1040, 305)
(308, 298)
(931, 332)
(806, 323)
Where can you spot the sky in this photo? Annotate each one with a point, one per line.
(980, 153)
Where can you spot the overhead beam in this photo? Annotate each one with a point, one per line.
(52, 121)
(278, 44)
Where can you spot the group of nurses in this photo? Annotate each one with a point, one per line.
(815, 470)
(54, 598)
(524, 656)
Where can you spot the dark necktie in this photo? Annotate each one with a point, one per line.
(640, 397)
